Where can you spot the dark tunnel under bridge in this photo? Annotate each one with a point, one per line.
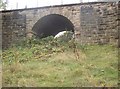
(51, 25)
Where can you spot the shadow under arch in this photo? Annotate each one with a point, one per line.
(52, 24)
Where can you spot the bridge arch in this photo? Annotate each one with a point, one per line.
(51, 25)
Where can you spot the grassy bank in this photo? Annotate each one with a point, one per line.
(46, 62)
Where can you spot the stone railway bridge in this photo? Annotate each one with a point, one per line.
(95, 22)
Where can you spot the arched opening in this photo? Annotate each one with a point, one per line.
(51, 25)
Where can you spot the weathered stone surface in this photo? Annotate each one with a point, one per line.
(93, 23)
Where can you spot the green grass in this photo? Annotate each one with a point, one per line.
(46, 62)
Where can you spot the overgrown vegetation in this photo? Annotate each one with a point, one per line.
(48, 62)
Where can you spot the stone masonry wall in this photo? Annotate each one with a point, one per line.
(13, 27)
(99, 23)
(118, 24)
(93, 22)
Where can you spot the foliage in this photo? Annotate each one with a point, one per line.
(2, 4)
(48, 62)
